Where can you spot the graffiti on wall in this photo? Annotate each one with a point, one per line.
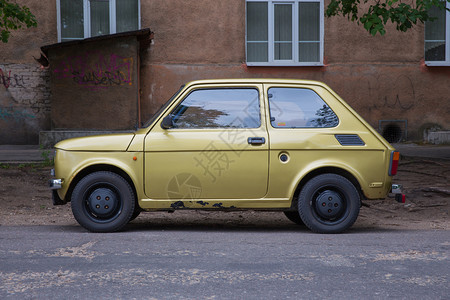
(11, 80)
(392, 93)
(15, 114)
(94, 70)
(24, 103)
(387, 93)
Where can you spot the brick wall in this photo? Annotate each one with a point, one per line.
(24, 103)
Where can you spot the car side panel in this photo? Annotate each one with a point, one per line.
(70, 163)
(310, 149)
(303, 162)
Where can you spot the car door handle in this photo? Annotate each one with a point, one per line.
(256, 140)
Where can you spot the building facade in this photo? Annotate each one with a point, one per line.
(399, 82)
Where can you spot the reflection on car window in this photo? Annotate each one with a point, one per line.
(212, 108)
(299, 108)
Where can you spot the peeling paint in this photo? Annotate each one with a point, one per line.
(220, 205)
(178, 204)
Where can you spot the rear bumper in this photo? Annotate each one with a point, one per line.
(397, 192)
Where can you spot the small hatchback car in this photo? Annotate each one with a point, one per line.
(259, 144)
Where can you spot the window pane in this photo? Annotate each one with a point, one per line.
(299, 108)
(283, 22)
(309, 21)
(71, 20)
(435, 51)
(99, 17)
(127, 15)
(309, 32)
(257, 31)
(309, 52)
(236, 108)
(435, 30)
(435, 36)
(283, 31)
(257, 52)
(283, 51)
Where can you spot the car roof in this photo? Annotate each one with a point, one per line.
(256, 81)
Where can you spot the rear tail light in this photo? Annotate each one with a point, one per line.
(400, 198)
(393, 166)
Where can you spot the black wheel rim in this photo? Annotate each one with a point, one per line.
(102, 202)
(330, 205)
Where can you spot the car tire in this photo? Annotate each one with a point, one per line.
(136, 213)
(103, 202)
(329, 203)
(294, 216)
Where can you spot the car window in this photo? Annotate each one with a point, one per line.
(224, 107)
(299, 108)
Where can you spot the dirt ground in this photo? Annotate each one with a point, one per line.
(26, 200)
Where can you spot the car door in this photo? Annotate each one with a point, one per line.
(216, 148)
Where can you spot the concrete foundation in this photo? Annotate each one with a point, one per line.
(439, 137)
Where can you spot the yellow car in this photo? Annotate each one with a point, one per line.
(259, 144)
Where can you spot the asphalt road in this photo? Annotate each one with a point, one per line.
(235, 263)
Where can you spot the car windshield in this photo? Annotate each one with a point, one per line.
(162, 108)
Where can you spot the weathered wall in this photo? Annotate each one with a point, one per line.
(382, 77)
(24, 86)
(95, 85)
(24, 44)
(24, 103)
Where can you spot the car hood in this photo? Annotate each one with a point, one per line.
(109, 142)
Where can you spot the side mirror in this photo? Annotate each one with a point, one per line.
(167, 122)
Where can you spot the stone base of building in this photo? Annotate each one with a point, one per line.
(439, 137)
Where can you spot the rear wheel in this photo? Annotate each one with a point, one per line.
(329, 203)
(103, 202)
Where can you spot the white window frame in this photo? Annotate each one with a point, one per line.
(87, 18)
(445, 62)
(295, 40)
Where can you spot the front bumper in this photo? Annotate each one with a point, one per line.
(56, 199)
(397, 192)
(55, 184)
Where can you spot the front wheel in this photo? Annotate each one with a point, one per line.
(293, 216)
(329, 203)
(136, 213)
(103, 202)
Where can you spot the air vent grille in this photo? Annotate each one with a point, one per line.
(349, 140)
